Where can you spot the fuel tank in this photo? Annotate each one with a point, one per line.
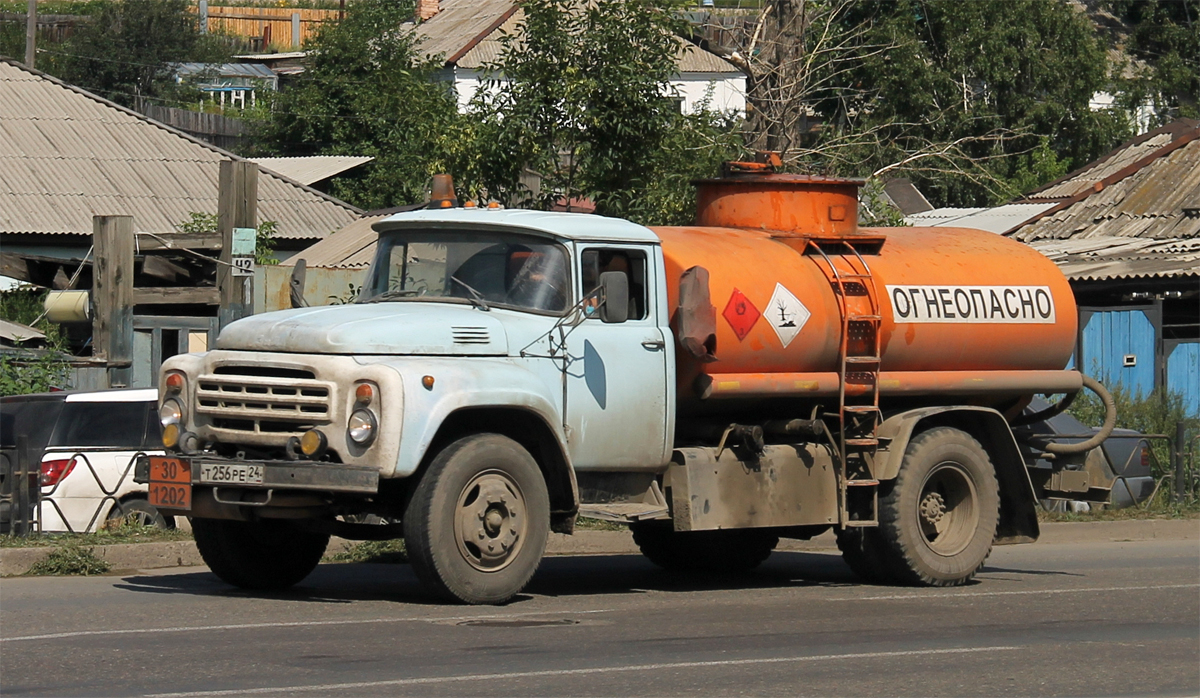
(789, 272)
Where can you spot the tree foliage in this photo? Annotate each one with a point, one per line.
(1166, 37)
(368, 90)
(582, 98)
(960, 96)
(127, 49)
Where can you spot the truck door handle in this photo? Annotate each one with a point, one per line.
(653, 344)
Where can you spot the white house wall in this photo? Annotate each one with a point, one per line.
(724, 92)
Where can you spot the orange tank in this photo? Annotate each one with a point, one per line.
(959, 310)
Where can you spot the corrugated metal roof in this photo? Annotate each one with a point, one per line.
(994, 220)
(308, 170)
(1140, 224)
(1119, 158)
(226, 70)
(468, 32)
(348, 248)
(67, 155)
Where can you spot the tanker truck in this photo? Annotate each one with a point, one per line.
(772, 371)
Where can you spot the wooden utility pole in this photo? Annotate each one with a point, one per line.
(237, 207)
(31, 34)
(112, 296)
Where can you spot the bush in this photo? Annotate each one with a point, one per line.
(1156, 413)
(380, 551)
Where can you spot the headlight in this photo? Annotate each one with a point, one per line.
(361, 427)
(170, 413)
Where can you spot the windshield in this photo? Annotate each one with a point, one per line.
(484, 268)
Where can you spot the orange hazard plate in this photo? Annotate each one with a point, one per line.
(170, 483)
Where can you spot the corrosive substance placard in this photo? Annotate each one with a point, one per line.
(972, 304)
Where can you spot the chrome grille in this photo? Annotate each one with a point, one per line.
(470, 335)
(264, 404)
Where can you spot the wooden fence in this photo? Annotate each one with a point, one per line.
(221, 131)
(269, 28)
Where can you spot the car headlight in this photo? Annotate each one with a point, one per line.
(170, 413)
(361, 427)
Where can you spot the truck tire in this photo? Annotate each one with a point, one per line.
(262, 555)
(477, 524)
(939, 519)
(865, 552)
(712, 552)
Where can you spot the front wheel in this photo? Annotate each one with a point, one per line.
(939, 519)
(477, 525)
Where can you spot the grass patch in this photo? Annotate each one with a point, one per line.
(584, 523)
(123, 533)
(69, 560)
(381, 551)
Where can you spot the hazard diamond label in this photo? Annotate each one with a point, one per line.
(786, 314)
(741, 314)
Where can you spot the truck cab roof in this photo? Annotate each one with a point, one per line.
(583, 227)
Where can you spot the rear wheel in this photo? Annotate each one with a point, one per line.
(939, 519)
(263, 555)
(477, 525)
(714, 552)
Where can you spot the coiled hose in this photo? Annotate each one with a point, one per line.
(1110, 420)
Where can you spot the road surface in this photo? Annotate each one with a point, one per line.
(1084, 619)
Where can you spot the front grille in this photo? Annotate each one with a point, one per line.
(275, 404)
(470, 335)
(264, 371)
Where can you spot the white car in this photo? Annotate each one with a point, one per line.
(87, 468)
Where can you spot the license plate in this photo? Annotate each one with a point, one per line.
(227, 473)
(166, 495)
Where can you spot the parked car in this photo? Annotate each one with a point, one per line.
(88, 442)
(1126, 456)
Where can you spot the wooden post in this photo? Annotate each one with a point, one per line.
(31, 34)
(237, 207)
(112, 295)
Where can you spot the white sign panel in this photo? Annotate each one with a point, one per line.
(786, 314)
(243, 266)
(972, 304)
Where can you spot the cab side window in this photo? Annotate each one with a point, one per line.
(632, 263)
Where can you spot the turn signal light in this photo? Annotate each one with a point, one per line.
(364, 393)
(427, 381)
(53, 471)
(174, 382)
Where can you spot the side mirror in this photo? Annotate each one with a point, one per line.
(614, 306)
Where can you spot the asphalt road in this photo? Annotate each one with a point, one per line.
(1084, 619)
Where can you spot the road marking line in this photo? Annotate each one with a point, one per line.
(293, 624)
(964, 594)
(578, 672)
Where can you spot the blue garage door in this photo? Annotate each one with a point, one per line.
(1112, 336)
(1183, 375)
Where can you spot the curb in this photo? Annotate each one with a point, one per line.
(147, 556)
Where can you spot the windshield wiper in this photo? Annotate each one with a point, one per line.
(476, 297)
(390, 295)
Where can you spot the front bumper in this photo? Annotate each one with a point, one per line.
(276, 475)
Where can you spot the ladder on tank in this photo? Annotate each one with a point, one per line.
(859, 359)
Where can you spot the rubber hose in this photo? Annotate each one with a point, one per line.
(1110, 421)
(1051, 411)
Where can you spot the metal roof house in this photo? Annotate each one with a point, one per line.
(67, 155)
(467, 33)
(1125, 229)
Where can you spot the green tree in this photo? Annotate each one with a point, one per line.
(582, 97)
(368, 90)
(126, 49)
(958, 95)
(1165, 36)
